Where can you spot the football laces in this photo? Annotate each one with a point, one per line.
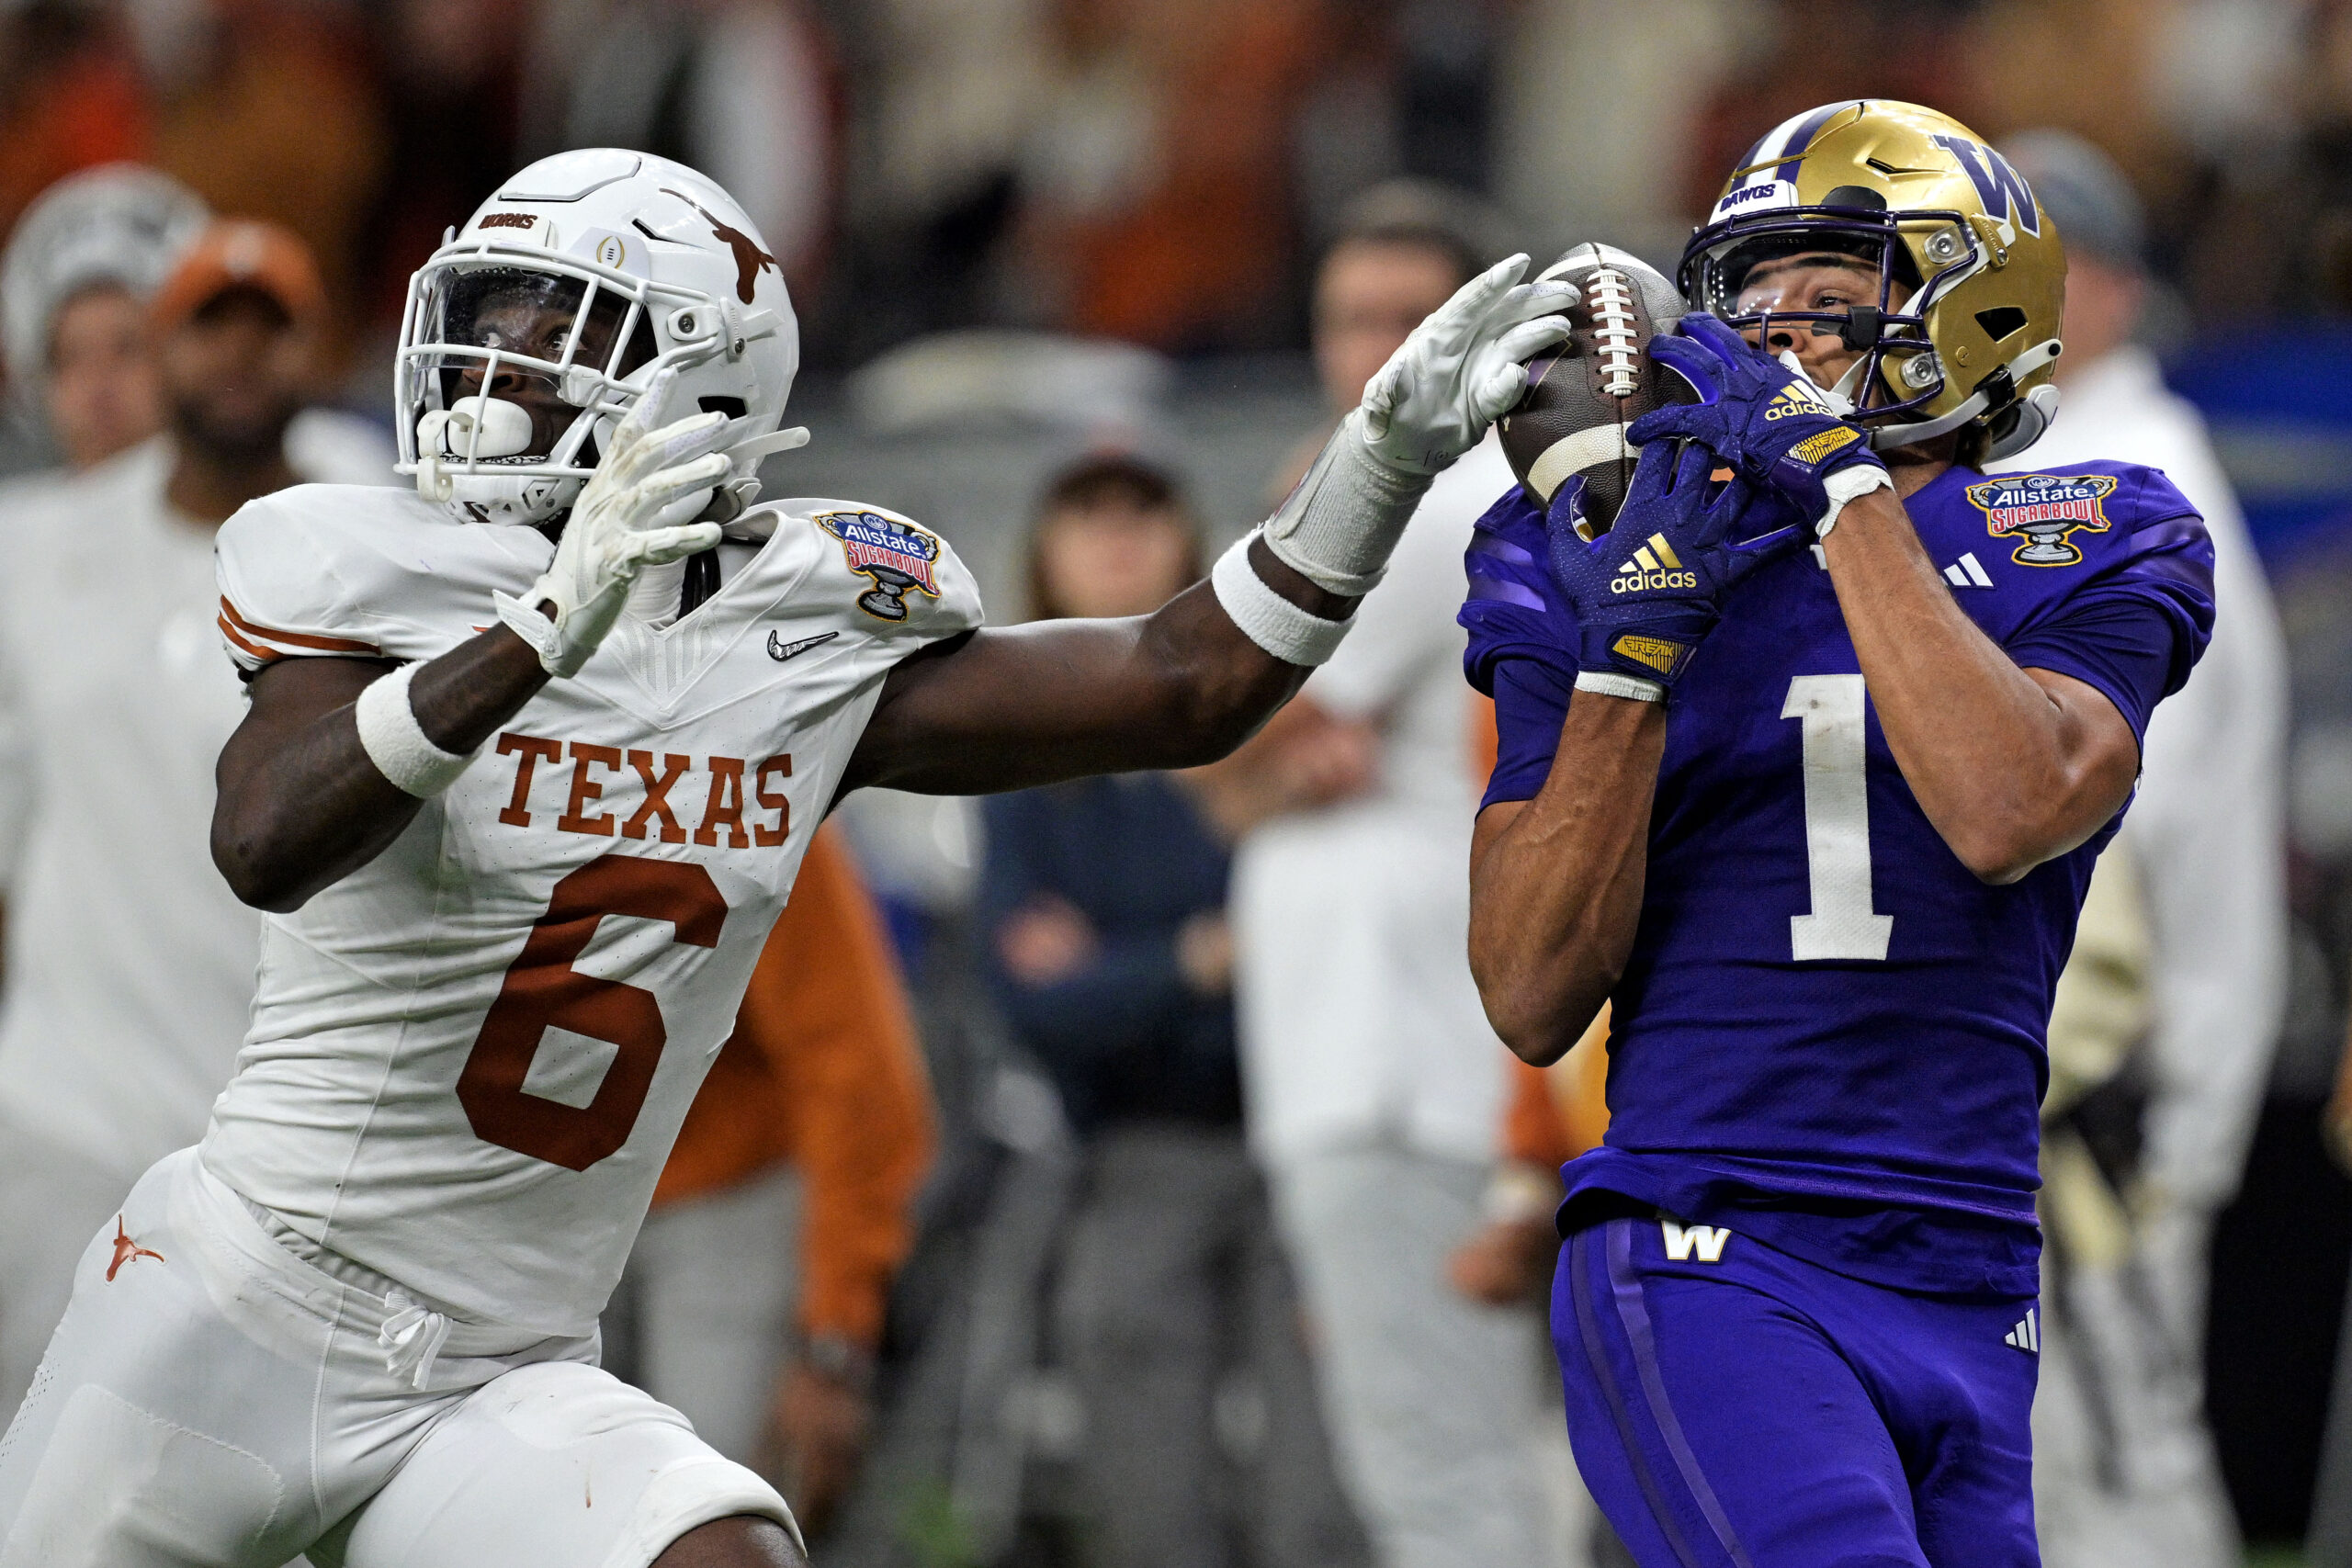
(1609, 294)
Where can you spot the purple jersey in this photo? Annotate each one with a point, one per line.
(1830, 1033)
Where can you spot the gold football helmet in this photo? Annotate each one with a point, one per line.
(1953, 230)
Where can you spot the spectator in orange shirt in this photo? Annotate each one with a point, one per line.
(811, 1137)
(70, 98)
(1156, 187)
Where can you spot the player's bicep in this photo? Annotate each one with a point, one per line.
(285, 697)
(2100, 754)
(999, 708)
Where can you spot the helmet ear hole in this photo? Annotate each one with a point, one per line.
(2001, 321)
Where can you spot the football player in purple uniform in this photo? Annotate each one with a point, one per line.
(1805, 763)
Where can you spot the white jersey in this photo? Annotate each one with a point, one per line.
(470, 1059)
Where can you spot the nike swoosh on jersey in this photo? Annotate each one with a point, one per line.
(781, 650)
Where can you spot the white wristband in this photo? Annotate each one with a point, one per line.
(1274, 623)
(1844, 486)
(397, 744)
(1338, 527)
(1609, 683)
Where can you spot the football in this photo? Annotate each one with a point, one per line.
(1581, 395)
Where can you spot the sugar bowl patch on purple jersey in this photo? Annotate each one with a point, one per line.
(2045, 509)
(895, 555)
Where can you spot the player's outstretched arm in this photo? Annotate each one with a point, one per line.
(1005, 709)
(2014, 767)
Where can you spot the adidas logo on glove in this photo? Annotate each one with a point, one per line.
(1662, 568)
(1797, 398)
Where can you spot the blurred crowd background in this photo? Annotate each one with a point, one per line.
(1064, 277)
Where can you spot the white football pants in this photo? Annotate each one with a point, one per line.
(51, 1198)
(212, 1401)
(1433, 1400)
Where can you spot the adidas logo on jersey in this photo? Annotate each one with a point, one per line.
(2026, 1335)
(1967, 572)
(1681, 1241)
(1654, 565)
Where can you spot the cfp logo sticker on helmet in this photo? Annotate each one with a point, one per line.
(2045, 509)
(896, 557)
(606, 248)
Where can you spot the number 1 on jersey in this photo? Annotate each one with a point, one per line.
(1836, 824)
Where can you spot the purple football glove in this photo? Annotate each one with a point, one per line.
(1514, 609)
(1767, 420)
(1645, 592)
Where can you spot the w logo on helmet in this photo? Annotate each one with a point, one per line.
(1997, 185)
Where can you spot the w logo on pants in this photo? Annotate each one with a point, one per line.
(1707, 1241)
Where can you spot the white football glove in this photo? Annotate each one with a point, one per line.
(1458, 372)
(632, 514)
(1460, 369)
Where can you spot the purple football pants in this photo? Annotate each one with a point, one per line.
(1763, 1412)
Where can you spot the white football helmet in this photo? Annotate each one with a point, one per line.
(530, 332)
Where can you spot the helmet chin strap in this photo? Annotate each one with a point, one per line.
(1979, 403)
(1840, 398)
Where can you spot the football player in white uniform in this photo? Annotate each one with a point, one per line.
(532, 755)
